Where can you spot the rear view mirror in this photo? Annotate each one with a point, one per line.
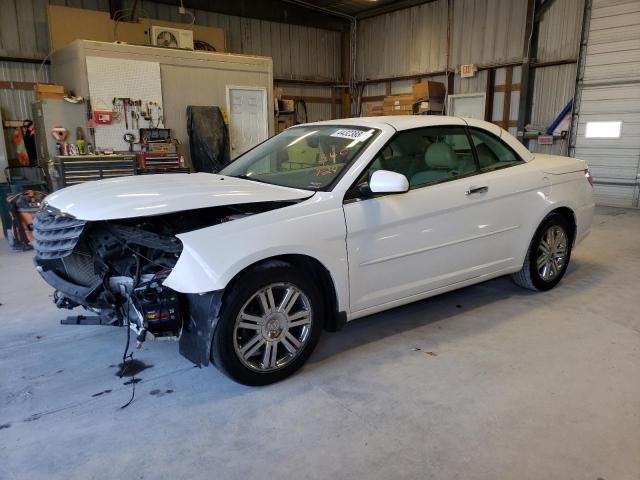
(384, 181)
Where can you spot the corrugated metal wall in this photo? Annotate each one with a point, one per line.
(16, 104)
(405, 42)
(485, 33)
(554, 86)
(297, 52)
(413, 41)
(560, 29)
(315, 111)
(23, 28)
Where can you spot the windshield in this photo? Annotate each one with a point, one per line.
(309, 157)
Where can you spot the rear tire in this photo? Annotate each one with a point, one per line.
(548, 255)
(270, 323)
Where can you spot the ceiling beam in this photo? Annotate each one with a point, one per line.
(272, 10)
(390, 7)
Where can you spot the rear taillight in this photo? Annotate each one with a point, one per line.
(587, 175)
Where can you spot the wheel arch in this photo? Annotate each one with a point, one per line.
(569, 215)
(565, 210)
(334, 318)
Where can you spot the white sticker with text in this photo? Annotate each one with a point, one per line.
(349, 133)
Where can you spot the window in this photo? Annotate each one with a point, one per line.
(302, 157)
(603, 129)
(492, 152)
(427, 155)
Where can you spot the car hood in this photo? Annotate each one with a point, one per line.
(137, 196)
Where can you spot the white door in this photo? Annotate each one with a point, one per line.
(469, 105)
(454, 224)
(247, 118)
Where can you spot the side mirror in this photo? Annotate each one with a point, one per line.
(384, 181)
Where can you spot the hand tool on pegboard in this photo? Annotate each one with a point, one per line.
(126, 102)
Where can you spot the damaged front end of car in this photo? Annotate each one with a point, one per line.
(116, 269)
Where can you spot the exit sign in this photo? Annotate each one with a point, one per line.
(468, 70)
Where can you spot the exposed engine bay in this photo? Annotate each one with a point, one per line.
(115, 268)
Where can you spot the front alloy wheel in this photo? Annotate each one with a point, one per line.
(272, 327)
(270, 322)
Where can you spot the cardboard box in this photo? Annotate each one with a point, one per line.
(429, 90)
(371, 110)
(286, 105)
(429, 106)
(398, 100)
(48, 88)
(47, 91)
(49, 96)
(398, 106)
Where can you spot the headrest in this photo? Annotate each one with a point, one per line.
(441, 155)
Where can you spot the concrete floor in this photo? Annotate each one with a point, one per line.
(490, 382)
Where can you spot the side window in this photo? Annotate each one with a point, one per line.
(427, 155)
(492, 152)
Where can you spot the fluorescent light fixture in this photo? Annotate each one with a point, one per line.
(603, 129)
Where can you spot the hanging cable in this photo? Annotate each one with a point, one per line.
(127, 358)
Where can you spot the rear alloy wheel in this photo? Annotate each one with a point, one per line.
(551, 256)
(548, 255)
(269, 325)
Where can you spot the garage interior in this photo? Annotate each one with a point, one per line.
(489, 381)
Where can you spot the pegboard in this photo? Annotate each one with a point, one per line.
(111, 78)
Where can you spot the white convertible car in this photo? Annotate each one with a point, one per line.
(322, 224)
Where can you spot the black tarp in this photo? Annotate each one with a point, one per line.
(208, 138)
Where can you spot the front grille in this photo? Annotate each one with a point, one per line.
(55, 235)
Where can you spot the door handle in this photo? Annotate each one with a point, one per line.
(475, 190)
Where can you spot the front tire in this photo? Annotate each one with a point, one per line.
(270, 323)
(548, 255)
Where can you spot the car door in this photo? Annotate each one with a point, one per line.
(437, 234)
(518, 189)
